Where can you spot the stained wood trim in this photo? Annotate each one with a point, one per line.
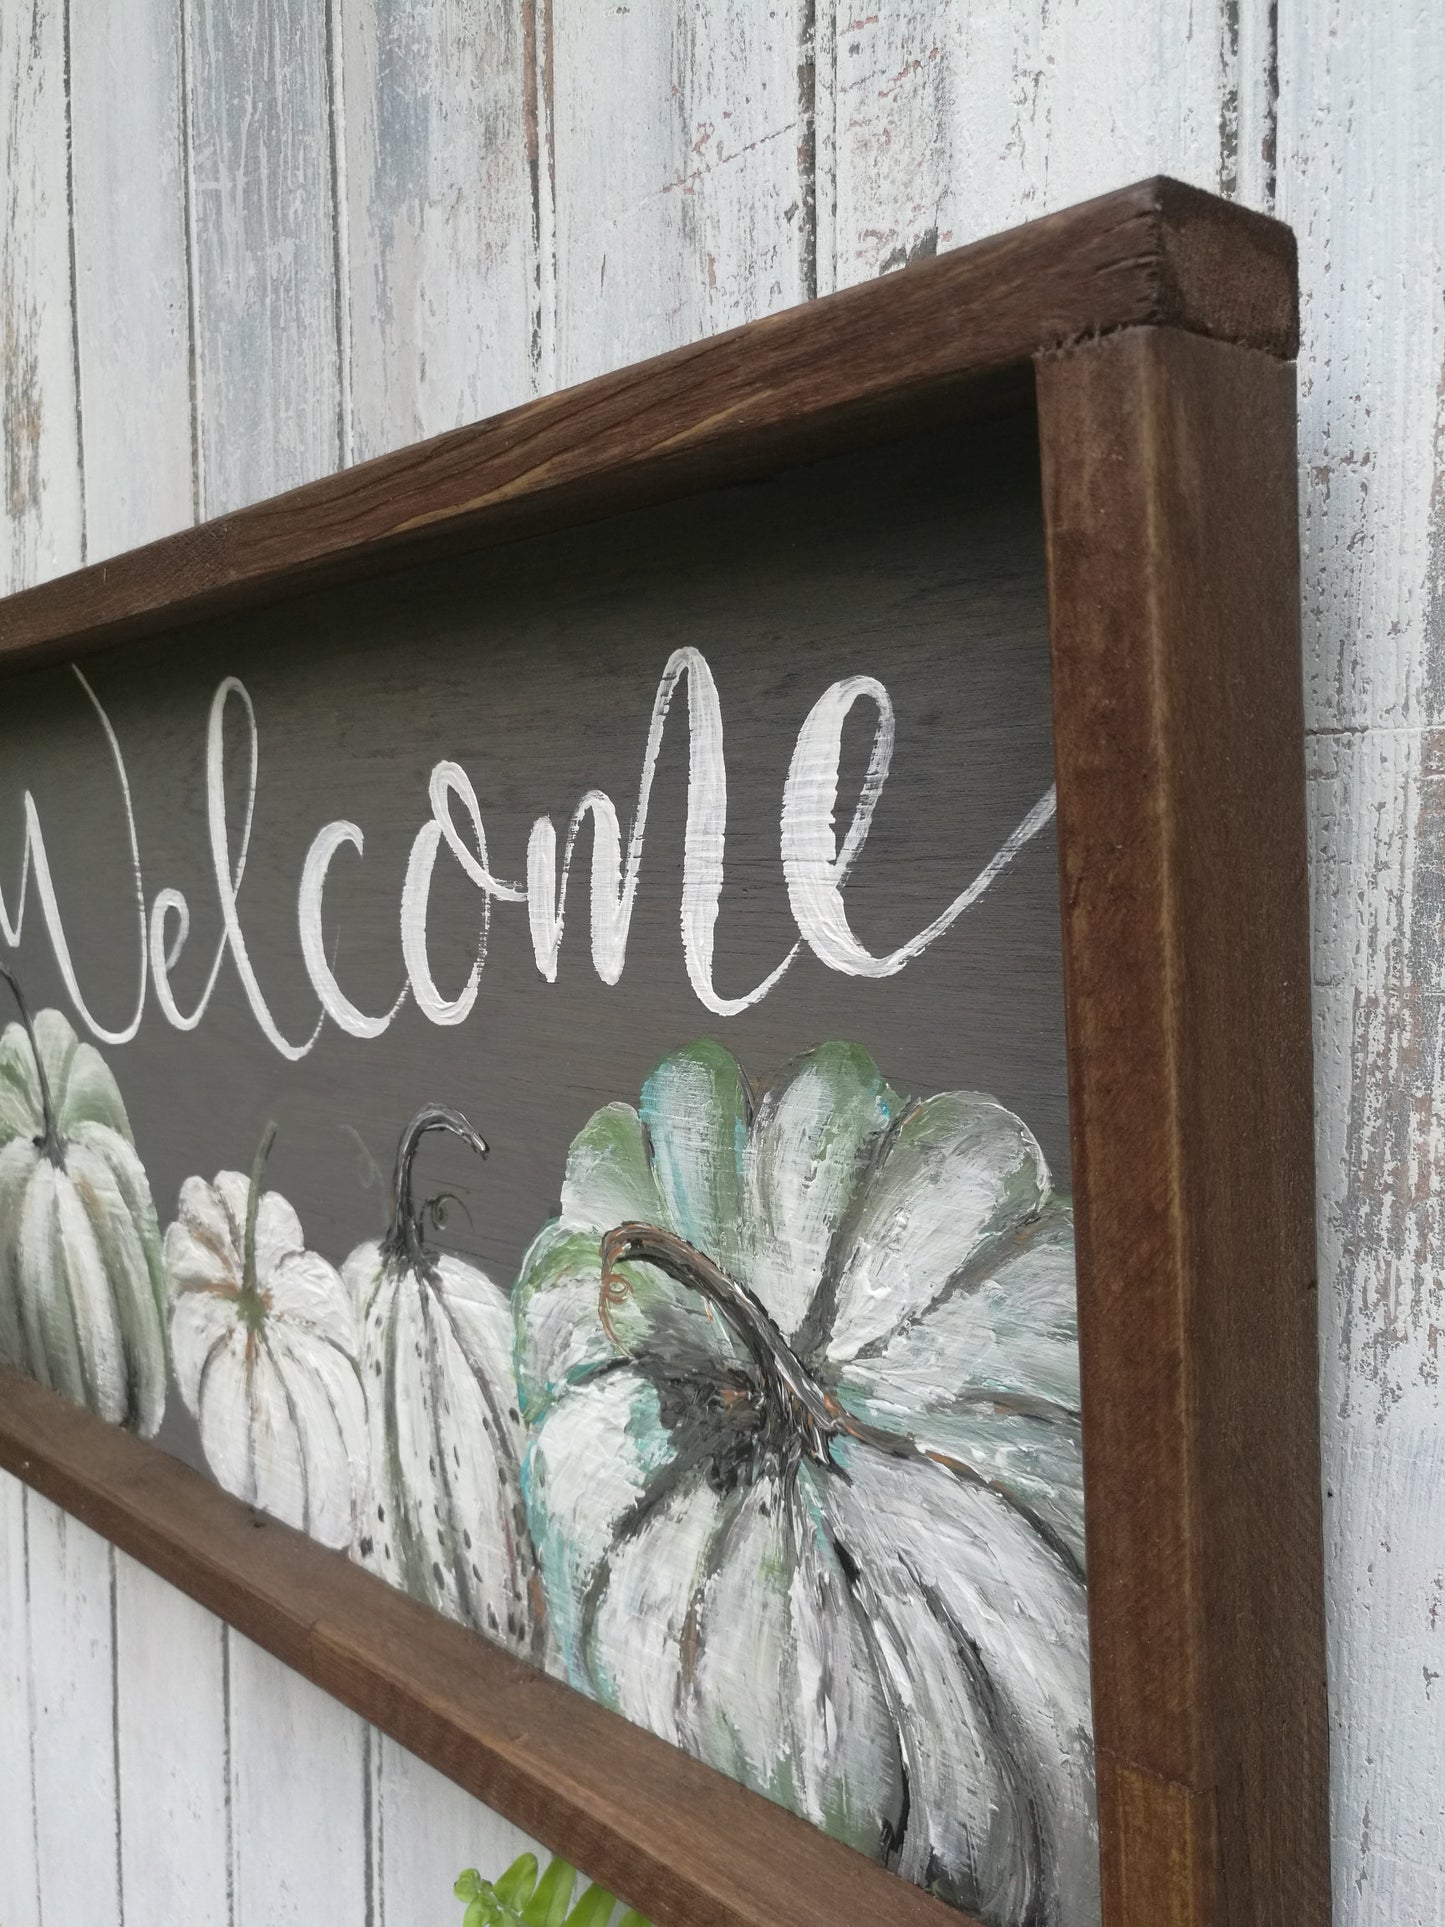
(943, 332)
(686, 1845)
(1169, 491)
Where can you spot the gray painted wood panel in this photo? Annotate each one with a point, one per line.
(536, 671)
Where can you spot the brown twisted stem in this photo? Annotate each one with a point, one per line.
(789, 1384)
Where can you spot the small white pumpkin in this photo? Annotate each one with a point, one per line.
(81, 1295)
(444, 1517)
(264, 1336)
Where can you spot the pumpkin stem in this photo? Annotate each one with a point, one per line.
(815, 1415)
(250, 1304)
(405, 1242)
(49, 1141)
(792, 1386)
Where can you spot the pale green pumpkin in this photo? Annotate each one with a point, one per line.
(81, 1290)
(800, 1371)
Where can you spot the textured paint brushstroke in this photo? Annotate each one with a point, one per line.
(265, 1337)
(801, 1374)
(80, 1264)
(443, 1515)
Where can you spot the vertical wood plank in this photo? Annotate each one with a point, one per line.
(39, 433)
(1251, 31)
(299, 1804)
(172, 1753)
(265, 244)
(132, 300)
(442, 282)
(1362, 101)
(72, 1660)
(682, 174)
(428, 1830)
(271, 413)
(955, 120)
(19, 1870)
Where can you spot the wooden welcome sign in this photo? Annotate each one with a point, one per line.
(820, 814)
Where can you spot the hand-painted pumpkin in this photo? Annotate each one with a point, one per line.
(444, 1517)
(265, 1338)
(81, 1295)
(800, 1369)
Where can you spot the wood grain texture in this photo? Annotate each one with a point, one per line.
(741, 404)
(132, 328)
(426, 1830)
(72, 1661)
(1362, 101)
(1131, 513)
(956, 120)
(1168, 464)
(441, 287)
(271, 391)
(691, 1848)
(678, 175)
(298, 1860)
(19, 1858)
(268, 344)
(39, 431)
(172, 1742)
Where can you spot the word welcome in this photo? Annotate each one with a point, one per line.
(816, 866)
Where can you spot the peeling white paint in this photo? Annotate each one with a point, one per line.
(1361, 106)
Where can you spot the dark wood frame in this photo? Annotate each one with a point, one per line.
(1155, 328)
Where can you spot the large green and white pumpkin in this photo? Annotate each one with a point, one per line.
(444, 1517)
(265, 1338)
(81, 1295)
(800, 1371)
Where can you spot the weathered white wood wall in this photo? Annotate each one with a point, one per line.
(247, 240)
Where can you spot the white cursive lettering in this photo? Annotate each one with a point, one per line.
(816, 868)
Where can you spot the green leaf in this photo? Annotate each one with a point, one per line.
(519, 1899)
(594, 1909)
(548, 1905)
(514, 1887)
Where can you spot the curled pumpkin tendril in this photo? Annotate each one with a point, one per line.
(613, 1290)
(435, 1208)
